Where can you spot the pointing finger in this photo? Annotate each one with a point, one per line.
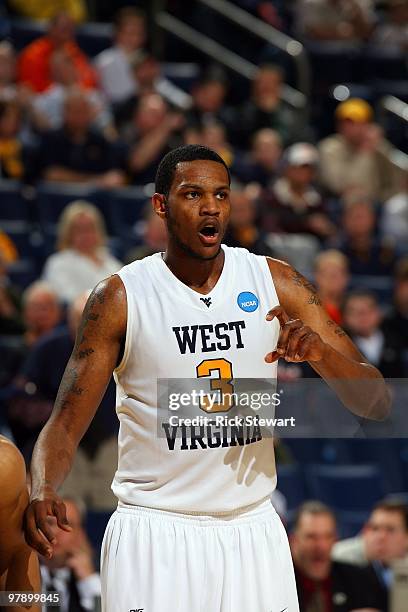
(280, 314)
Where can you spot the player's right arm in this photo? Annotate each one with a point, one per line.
(96, 353)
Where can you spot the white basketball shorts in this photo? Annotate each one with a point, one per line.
(154, 560)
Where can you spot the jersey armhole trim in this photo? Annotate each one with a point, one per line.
(129, 324)
(270, 277)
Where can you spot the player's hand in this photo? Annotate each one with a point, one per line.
(38, 528)
(297, 342)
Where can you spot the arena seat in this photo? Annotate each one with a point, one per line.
(13, 206)
(318, 450)
(346, 487)
(24, 31)
(22, 273)
(384, 454)
(182, 74)
(52, 198)
(127, 206)
(383, 63)
(94, 37)
(349, 523)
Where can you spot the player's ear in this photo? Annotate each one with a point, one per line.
(159, 204)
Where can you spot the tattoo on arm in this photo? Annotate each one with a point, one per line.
(336, 328)
(97, 297)
(68, 385)
(301, 281)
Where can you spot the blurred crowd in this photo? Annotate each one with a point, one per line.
(334, 203)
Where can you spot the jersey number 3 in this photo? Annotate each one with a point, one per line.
(221, 384)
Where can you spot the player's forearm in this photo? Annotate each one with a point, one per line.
(359, 386)
(52, 459)
(75, 406)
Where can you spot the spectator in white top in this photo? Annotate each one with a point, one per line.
(393, 34)
(82, 259)
(113, 64)
(394, 221)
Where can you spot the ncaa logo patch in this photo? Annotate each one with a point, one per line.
(247, 301)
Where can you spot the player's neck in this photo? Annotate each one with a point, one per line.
(200, 275)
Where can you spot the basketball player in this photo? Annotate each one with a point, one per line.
(19, 569)
(194, 529)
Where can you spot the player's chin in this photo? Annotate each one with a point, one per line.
(208, 252)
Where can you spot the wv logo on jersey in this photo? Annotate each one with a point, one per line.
(207, 301)
(247, 301)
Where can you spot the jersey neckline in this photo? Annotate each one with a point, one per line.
(194, 298)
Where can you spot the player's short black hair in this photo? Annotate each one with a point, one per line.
(187, 153)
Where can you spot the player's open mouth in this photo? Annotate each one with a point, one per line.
(208, 234)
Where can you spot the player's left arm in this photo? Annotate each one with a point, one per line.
(309, 334)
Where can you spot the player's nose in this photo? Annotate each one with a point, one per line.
(210, 205)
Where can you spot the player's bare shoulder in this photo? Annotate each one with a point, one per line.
(104, 316)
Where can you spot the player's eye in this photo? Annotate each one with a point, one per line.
(191, 195)
(221, 195)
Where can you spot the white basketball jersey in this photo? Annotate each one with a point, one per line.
(174, 332)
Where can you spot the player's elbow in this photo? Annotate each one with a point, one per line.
(380, 408)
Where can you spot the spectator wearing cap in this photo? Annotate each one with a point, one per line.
(393, 34)
(397, 319)
(363, 321)
(82, 259)
(113, 64)
(358, 155)
(34, 61)
(295, 205)
(260, 164)
(46, 9)
(334, 20)
(331, 276)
